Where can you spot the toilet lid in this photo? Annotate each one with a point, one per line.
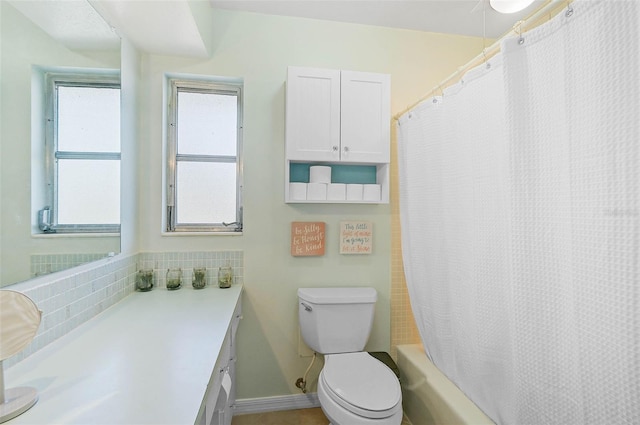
(361, 381)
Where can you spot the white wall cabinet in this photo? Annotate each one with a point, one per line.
(335, 115)
(313, 114)
(338, 117)
(364, 117)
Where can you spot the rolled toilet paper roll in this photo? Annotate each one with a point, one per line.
(320, 174)
(317, 192)
(371, 192)
(354, 192)
(225, 392)
(226, 385)
(222, 398)
(298, 191)
(336, 192)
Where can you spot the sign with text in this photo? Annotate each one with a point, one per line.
(307, 238)
(356, 237)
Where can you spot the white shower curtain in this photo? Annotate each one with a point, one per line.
(520, 212)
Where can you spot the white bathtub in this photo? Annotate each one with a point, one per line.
(428, 397)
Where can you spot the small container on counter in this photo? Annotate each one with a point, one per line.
(199, 279)
(225, 276)
(144, 280)
(174, 279)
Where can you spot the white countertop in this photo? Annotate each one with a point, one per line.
(146, 360)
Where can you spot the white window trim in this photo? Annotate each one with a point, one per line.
(199, 84)
(53, 79)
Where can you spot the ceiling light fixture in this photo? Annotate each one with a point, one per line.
(509, 6)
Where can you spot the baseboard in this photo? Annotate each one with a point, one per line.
(272, 404)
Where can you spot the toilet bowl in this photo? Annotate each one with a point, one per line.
(354, 388)
(357, 389)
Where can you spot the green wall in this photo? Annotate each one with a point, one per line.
(259, 48)
(23, 45)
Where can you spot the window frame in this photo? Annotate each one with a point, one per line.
(211, 86)
(107, 79)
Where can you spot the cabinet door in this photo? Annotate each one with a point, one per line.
(366, 116)
(313, 114)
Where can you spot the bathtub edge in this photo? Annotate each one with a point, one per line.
(429, 397)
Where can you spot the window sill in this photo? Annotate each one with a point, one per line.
(172, 234)
(72, 235)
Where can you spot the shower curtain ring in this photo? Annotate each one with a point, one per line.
(434, 91)
(486, 62)
(518, 25)
(569, 11)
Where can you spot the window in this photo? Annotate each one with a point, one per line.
(204, 170)
(82, 153)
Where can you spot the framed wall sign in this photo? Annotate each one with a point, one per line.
(307, 238)
(356, 237)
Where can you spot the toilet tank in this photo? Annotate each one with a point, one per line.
(336, 320)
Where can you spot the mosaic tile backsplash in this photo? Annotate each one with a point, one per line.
(71, 300)
(161, 262)
(42, 264)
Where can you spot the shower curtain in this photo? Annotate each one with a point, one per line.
(520, 213)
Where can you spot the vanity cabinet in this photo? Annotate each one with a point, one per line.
(221, 394)
(338, 117)
(156, 357)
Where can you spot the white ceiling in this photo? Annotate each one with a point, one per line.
(167, 27)
(463, 17)
(179, 27)
(74, 23)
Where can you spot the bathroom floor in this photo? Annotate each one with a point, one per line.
(312, 416)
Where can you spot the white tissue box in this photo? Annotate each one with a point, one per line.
(336, 192)
(298, 191)
(354, 192)
(371, 192)
(317, 192)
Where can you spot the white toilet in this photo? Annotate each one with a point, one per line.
(353, 387)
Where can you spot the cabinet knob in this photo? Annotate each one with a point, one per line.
(335, 149)
(346, 149)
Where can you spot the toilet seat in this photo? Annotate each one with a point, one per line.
(361, 384)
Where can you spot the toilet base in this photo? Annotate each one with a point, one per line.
(337, 415)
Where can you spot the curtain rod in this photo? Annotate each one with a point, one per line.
(551, 7)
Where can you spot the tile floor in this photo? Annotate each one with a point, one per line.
(312, 416)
